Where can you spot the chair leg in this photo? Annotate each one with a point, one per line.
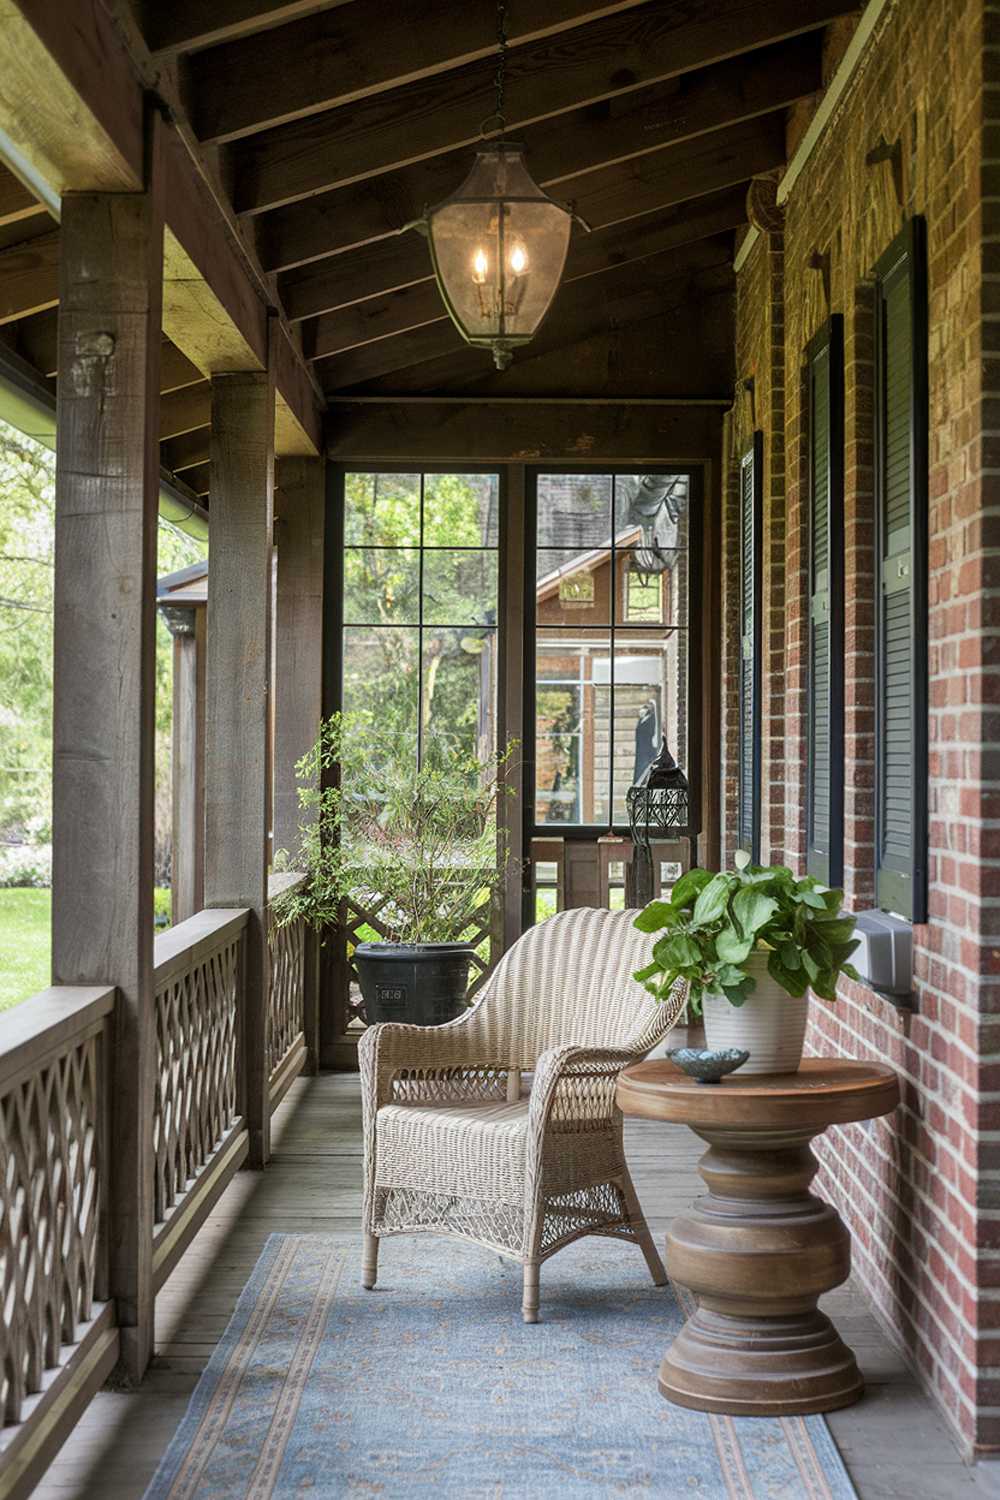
(641, 1230)
(369, 1262)
(529, 1306)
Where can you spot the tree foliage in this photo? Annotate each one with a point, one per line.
(27, 545)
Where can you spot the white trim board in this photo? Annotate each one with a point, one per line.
(835, 91)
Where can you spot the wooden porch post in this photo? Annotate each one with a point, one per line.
(300, 499)
(300, 514)
(107, 485)
(237, 739)
(187, 875)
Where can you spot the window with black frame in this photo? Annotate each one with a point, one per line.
(825, 525)
(901, 750)
(420, 605)
(611, 639)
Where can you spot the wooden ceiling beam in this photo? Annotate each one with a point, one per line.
(615, 56)
(38, 341)
(184, 25)
(17, 204)
(584, 140)
(198, 478)
(29, 278)
(501, 431)
(185, 410)
(179, 454)
(648, 184)
(336, 57)
(589, 255)
(73, 106)
(580, 309)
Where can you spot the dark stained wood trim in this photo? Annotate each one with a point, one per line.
(17, 204)
(522, 432)
(338, 56)
(607, 58)
(511, 694)
(581, 309)
(589, 255)
(708, 99)
(615, 195)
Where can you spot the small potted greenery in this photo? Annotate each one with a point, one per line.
(751, 942)
(417, 846)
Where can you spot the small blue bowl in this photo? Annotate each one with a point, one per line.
(706, 1065)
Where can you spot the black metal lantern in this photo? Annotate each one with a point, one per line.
(659, 807)
(498, 245)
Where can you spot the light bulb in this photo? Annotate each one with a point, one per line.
(518, 260)
(480, 266)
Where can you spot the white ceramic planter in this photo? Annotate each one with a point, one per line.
(771, 1026)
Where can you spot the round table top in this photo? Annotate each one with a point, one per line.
(825, 1091)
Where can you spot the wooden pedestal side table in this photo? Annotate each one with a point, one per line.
(760, 1249)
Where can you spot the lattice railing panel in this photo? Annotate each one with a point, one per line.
(286, 1000)
(51, 1193)
(478, 932)
(196, 1100)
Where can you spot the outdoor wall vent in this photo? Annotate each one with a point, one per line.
(885, 957)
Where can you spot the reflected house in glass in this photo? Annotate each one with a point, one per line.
(611, 638)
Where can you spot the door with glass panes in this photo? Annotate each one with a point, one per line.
(609, 671)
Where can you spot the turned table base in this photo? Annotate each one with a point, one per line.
(759, 1249)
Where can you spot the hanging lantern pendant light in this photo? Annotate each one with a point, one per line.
(498, 244)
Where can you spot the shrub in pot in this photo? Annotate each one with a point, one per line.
(417, 845)
(751, 942)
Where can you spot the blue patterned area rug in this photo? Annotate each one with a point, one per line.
(432, 1385)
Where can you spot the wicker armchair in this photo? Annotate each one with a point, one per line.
(455, 1145)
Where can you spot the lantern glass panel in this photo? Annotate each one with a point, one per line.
(499, 246)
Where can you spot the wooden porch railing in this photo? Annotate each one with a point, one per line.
(58, 1335)
(199, 1137)
(292, 1015)
(58, 1339)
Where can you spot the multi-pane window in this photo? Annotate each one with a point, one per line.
(825, 515)
(611, 609)
(420, 605)
(901, 554)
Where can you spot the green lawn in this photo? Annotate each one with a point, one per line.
(25, 942)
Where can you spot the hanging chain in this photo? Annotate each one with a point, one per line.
(497, 121)
(501, 73)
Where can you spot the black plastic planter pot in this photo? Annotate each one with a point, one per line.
(423, 984)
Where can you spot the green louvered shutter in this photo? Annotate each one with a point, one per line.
(825, 699)
(901, 633)
(748, 821)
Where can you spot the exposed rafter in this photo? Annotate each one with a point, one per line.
(581, 309)
(602, 135)
(613, 195)
(184, 25)
(335, 57)
(590, 255)
(609, 57)
(29, 277)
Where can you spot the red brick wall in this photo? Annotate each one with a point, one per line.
(921, 1191)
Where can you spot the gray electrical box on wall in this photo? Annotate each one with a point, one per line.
(885, 957)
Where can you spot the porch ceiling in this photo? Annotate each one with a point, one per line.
(320, 128)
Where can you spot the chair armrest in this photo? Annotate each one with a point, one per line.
(574, 1087)
(442, 1062)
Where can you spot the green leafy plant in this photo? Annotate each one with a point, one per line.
(714, 923)
(420, 844)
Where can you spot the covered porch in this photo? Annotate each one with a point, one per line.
(736, 494)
